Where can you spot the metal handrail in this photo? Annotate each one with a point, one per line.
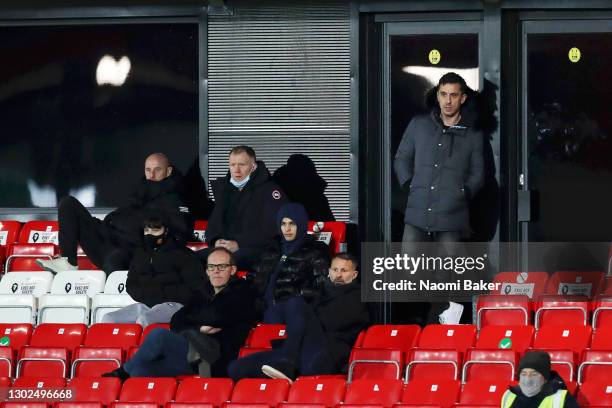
(392, 362)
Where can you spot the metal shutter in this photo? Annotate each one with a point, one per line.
(279, 80)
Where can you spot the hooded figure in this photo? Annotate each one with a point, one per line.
(538, 385)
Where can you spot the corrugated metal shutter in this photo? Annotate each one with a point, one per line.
(279, 80)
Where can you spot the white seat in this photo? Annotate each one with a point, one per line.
(19, 293)
(70, 297)
(114, 297)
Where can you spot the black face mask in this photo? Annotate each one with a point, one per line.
(151, 241)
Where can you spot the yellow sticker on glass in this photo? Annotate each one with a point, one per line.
(574, 54)
(434, 56)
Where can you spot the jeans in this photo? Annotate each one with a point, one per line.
(162, 354)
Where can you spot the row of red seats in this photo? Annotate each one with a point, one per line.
(309, 392)
(546, 311)
(21, 245)
(56, 350)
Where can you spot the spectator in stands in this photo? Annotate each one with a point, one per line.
(322, 320)
(109, 243)
(204, 335)
(246, 203)
(538, 385)
(300, 180)
(163, 276)
(440, 163)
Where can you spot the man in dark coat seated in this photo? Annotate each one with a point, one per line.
(246, 203)
(205, 334)
(109, 243)
(296, 287)
(163, 276)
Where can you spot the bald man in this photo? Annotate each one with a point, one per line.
(109, 243)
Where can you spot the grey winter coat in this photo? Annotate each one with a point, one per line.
(442, 168)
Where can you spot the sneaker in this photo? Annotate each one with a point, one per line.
(285, 374)
(56, 265)
(452, 315)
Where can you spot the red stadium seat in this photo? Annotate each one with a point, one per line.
(517, 338)
(136, 391)
(260, 391)
(595, 393)
(263, 334)
(43, 362)
(18, 334)
(49, 384)
(247, 351)
(374, 392)
(596, 364)
(563, 362)
(581, 283)
(502, 310)
(9, 232)
(213, 391)
(602, 312)
(95, 361)
(150, 327)
(199, 230)
(325, 391)
(331, 232)
(124, 335)
(485, 364)
(531, 284)
(375, 364)
(442, 393)
(483, 392)
(458, 337)
(68, 335)
(22, 257)
(432, 364)
(575, 338)
(26, 404)
(602, 339)
(387, 336)
(83, 262)
(39, 232)
(558, 310)
(103, 390)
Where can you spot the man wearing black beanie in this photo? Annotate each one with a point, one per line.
(539, 387)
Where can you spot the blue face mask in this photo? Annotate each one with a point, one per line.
(241, 183)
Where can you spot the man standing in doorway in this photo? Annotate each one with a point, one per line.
(440, 163)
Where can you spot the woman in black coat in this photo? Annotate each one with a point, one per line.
(290, 276)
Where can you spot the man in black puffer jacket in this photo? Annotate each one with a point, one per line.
(109, 243)
(246, 203)
(163, 276)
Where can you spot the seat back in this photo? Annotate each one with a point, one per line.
(9, 232)
(602, 339)
(326, 391)
(602, 312)
(503, 310)
(575, 338)
(387, 336)
(87, 283)
(116, 283)
(597, 393)
(262, 335)
(442, 393)
(158, 390)
(517, 338)
(39, 232)
(448, 337)
(68, 335)
(562, 310)
(596, 364)
(580, 283)
(531, 284)
(122, 335)
(15, 335)
(26, 283)
(104, 389)
(260, 391)
(483, 392)
(433, 364)
(487, 364)
(95, 361)
(374, 392)
(213, 391)
(375, 363)
(23, 256)
(43, 362)
(333, 233)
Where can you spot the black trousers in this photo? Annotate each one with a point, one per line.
(78, 226)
